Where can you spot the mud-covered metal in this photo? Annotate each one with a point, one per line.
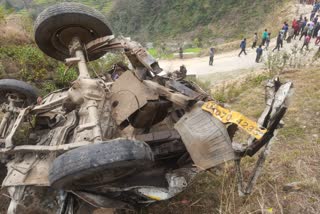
(206, 138)
(166, 112)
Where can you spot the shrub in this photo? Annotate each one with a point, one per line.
(63, 76)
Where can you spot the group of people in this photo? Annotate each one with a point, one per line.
(266, 37)
(303, 27)
(306, 29)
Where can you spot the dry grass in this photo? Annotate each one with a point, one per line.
(294, 158)
(15, 30)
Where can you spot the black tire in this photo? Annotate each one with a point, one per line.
(58, 24)
(97, 164)
(25, 91)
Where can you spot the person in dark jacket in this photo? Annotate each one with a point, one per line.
(316, 29)
(243, 45)
(279, 40)
(313, 13)
(181, 53)
(259, 53)
(211, 56)
(285, 29)
(303, 24)
(304, 32)
(315, 20)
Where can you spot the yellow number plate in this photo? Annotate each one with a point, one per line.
(228, 116)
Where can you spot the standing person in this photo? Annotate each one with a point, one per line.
(264, 37)
(296, 28)
(303, 24)
(211, 56)
(313, 13)
(259, 53)
(318, 38)
(278, 42)
(181, 53)
(304, 32)
(316, 29)
(315, 20)
(290, 35)
(310, 30)
(243, 45)
(294, 22)
(268, 41)
(282, 32)
(306, 42)
(285, 29)
(255, 40)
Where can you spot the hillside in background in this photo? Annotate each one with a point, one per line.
(191, 19)
(34, 7)
(173, 20)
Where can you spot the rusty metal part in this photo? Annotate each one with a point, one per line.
(175, 85)
(205, 138)
(137, 55)
(101, 201)
(150, 114)
(178, 180)
(129, 95)
(21, 116)
(33, 170)
(10, 110)
(175, 97)
(61, 133)
(48, 106)
(4, 122)
(278, 110)
(43, 149)
(168, 150)
(159, 137)
(99, 43)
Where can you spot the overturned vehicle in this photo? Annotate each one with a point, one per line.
(130, 138)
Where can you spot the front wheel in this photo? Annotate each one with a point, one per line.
(98, 164)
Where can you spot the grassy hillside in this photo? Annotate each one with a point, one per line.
(173, 20)
(34, 7)
(202, 19)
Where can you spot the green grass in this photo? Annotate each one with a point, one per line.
(153, 52)
(229, 93)
(193, 50)
(157, 54)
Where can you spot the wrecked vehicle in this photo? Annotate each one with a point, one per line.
(121, 141)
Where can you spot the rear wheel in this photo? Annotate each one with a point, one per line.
(98, 164)
(56, 26)
(23, 90)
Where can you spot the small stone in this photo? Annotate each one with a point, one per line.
(294, 186)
